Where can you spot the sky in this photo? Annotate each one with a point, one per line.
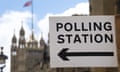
(13, 15)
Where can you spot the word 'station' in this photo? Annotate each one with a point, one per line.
(82, 41)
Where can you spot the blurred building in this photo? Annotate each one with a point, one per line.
(31, 56)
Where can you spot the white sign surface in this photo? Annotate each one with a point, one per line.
(82, 41)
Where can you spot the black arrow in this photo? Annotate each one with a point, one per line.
(63, 54)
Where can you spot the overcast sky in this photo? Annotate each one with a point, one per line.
(13, 15)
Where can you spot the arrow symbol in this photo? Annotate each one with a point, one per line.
(63, 54)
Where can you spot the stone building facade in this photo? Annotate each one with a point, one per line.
(103, 7)
(31, 56)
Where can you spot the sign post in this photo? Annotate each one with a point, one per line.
(82, 41)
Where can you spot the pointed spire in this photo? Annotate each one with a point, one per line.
(14, 39)
(22, 32)
(33, 38)
(32, 42)
(42, 41)
(41, 37)
(22, 41)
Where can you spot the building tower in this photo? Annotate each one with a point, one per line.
(32, 43)
(13, 53)
(22, 38)
(28, 56)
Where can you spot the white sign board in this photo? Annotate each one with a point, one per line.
(82, 41)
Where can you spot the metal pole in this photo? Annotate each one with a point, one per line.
(32, 15)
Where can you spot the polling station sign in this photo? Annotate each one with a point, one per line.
(82, 41)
